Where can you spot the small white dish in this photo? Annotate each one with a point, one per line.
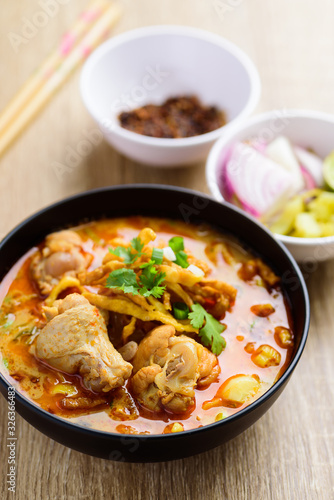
(152, 64)
(310, 129)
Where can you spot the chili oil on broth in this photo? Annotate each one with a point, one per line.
(21, 317)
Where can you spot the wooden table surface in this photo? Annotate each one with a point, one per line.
(288, 454)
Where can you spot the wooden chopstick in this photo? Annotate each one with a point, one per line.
(43, 73)
(34, 96)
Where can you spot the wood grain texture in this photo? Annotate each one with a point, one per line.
(288, 454)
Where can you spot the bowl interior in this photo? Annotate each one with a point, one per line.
(188, 206)
(307, 131)
(150, 65)
(163, 201)
(304, 128)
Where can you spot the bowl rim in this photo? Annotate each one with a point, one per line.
(27, 403)
(259, 119)
(169, 29)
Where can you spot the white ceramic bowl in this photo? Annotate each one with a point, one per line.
(151, 64)
(306, 128)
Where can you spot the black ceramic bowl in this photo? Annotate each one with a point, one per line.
(191, 207)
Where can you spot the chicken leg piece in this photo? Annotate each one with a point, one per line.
(167, 368)
(61, 256)
(75, 340)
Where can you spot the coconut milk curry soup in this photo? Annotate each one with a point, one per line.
(143, 326)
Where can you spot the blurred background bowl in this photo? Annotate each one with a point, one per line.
(309, 129)
(152, 64)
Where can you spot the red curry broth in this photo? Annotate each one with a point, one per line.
(117, 411)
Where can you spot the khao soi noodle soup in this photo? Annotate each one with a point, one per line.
(141, 325)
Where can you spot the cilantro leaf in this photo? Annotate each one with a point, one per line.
(197, 315)
(131, 253)
(210, 333)
(125, 279)
(123, 252)
(151, 279)
(137, 245)
(156, 291)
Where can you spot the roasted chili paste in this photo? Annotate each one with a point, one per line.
(177, 117)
